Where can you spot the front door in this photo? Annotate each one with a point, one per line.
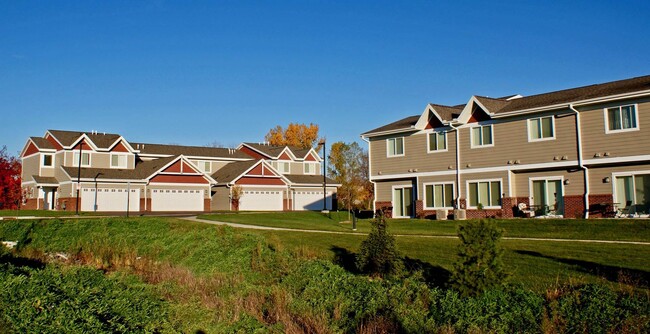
(49, 198)
(403, 202)
(548, 196)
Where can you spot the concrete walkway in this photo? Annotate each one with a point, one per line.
(269, 228)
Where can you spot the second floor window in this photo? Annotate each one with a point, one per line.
(309, 168)
(85, 159)
(437, 141)
(284, 167)
(621, 118)
(204, 166)
(118, 160)
(48, 160)
(395, 146)
(482, 136)
(486, 193)
(541, 128)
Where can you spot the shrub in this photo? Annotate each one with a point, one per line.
(479, 265)
(378, 255)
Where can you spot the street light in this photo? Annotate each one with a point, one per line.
(322, 142)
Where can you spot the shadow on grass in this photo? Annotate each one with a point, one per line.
(636, 277)
(21, 262)
(434, 276)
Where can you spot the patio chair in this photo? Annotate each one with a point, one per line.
(523, 208)
(627, 211)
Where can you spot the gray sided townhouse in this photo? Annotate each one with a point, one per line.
(575, 152)
(112, 174)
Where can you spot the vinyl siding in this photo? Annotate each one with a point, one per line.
(622, 144)
(31, 166)
(435, 179)
(465, 178)
(385, 189)
(220, 199)
(597, 174)
(576, 186)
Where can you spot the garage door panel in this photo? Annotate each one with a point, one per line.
(176, 200)
(261, 200)
(109, 199)
(311, 200)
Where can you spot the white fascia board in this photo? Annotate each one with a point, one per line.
(217, 158)
(600, 161)
(89, 141)
(53, 136)
(389, 132)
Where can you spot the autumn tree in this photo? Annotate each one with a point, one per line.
(348, 165)
(299, 135)
(10, 170)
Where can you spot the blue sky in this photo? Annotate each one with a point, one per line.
(197, 72)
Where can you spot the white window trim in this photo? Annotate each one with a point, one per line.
(388, 145)
(543, 178)
(313, 168)
(53, 155)
(471, 136)
(619, 174)
(200, 165)
(531, 139)
(429, 150)
(126, 160)
(483, 180)
(636, 116)
(288, 163)
(75, 162)
(392, 198)
(424, 195)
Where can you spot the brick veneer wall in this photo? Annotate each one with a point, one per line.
(596, 209)
(574, 206)
(386, 206)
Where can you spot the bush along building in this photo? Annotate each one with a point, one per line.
(104, 172)
(576, 152)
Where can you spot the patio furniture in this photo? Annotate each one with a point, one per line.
(523, 208)
(627, 211)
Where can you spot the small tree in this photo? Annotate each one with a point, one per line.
(479, 265)
(10, 190)
(378, 255)
(236, 192)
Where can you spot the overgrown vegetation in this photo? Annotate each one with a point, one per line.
(185, 277)
(479, 265)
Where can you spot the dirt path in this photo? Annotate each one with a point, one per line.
(269, 228)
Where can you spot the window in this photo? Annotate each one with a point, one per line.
(395, 146)
(541, 128)
(284, 167)
(634, 189)
(118, 160)
(309, 168)
(621, 119)
(487, 193)
(482, 136)
(85, 159)
(204, 166)
(48, 160)
(437, 141)
(439, 195)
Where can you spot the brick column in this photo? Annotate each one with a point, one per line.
(419, 209)
(387, 207)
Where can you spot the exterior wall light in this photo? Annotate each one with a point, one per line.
(607, 179)
(567, 182)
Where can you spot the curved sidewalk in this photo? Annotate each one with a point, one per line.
(269, 228)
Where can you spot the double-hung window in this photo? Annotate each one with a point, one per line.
(204, 166)
(85, 159)
(284, 167)
(395, 146)
(437, 141)
(118, 160)
(621, 118)
(482, 136)
(48, 160)
(541, 128)
(439, 195)
(486, 193)
(309, 168)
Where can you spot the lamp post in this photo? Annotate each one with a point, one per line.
(81, 144)
(96, 176)
(322, 142)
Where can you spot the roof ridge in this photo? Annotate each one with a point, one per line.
(587, 86)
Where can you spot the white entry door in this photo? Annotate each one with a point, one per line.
(107, 199)
(177, 200)
(261, 200)
(311, 200)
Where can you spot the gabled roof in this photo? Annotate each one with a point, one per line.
(310, 180)
(45, 180)
(101, 140)
(232, 171)
(42, 143)
(274, 152)
(194, 151)
(403, 124)
(103, 173)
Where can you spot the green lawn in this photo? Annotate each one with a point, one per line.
(41, 213)
(600, 229)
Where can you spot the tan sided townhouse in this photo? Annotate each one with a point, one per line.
(580, 152)
(104, 172)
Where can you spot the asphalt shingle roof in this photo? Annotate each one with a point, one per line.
(404, 123)
(42, 142)
(101, 140)
(143, 169)
(309, 179)
(197, 151)
(231, 171)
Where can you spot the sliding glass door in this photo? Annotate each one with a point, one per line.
(548, 195)
(403, 202)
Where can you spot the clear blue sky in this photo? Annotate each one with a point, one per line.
(195, 72)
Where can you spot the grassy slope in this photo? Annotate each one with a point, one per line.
(601, 229)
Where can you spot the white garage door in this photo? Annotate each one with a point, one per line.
(311, 200)
(176, 200)
(108, 199)
(267, 200)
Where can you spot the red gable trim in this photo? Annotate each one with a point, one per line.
(434, 122)
(252, 153)
(311, 157)
(260, 181)
(284, 156)
(31, 149)
(53, 142)
(257, 170)
(187, 169)
(478, 115)
(119, 148)
(175, 168)
(84, 146)
(196, 179)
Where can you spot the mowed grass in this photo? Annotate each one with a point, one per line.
(41, 213)
(595, 229)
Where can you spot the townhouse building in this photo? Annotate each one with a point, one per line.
(573, 153)
(107, 173)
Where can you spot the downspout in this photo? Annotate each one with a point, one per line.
(374, 186)
(580, 162)
(457, 165)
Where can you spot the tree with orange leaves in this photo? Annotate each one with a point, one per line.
(10, 170)
(299, 135)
